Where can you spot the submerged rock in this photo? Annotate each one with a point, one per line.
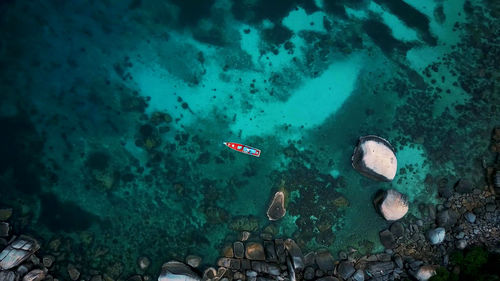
(374, 157)
(5, 214)
(436, 235)
(143, 263)
(464, 186)
(276, 209)
(392, 204)
(17, 252)
(177, 271)
(73, 272)
(193, 261)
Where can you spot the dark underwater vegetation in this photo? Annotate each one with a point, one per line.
(113, 116)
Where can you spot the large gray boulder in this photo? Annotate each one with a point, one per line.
(17, 252)
(375, 158)
(177, 271)
(277, 209)
(392, 204)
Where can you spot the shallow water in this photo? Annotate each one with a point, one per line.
(114, 112)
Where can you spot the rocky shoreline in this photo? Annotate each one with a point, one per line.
(415, 248)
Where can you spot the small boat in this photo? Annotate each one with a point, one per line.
(243, 148)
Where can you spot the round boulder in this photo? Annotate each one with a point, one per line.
(277, 209)
(374, 157)
(436, 235)
(391, 204)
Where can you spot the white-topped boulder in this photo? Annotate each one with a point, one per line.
(392, 204)
(374, 157)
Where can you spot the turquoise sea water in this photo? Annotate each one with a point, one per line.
(114, 114)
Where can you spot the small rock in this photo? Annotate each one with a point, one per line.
(48, 260)
(461, 244)
(209, 273)
(436, 235)
(342, 255)
(325, 261)
(374, 157)
(228, 251)
(254, 251)
(193, 261)
(392, 204)
(490, 207)
(447, 218)
(464, 186)
(244, 235)
(277, 209)
(177, 271)
(445, 192)
(23, 269)
(470, 217)
(5, 214)
(358, 275)
(309, 273)
(251, 273)
(397, 229)
(135, 277)
(73, 272)
(310, 258)
(143, 263)
(345, 269)
(319, 273)
(387, 239)
(399, 261)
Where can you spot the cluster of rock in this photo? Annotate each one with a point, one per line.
(468, 216)
(282, 260)
(17, 259)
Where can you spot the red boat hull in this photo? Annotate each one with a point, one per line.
(243, 148)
